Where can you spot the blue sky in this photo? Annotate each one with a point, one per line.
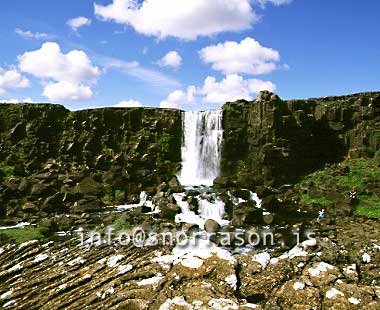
(82, 55)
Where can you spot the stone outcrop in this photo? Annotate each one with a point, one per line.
(273, 142)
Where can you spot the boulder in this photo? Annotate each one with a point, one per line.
(169, 210)
(211, 226)
(88, 186)
(246, 214)
(175, 186)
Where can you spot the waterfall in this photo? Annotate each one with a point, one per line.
(201, 150)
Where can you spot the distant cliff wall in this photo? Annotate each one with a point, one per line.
(272, 141)
(57, 158)
(137, 138)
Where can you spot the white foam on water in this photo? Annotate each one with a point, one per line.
(207, 210)
(254, 197)
(143, 201)
(213, 210)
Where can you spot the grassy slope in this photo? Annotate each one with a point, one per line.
(360, 174)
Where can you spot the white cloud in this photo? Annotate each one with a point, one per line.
(129, 104)
(248, 56)
(72, 72)
(14, 100)
(67, 91)
(12, 79)
(77, 22)
(33, 35)
(50, 62)
(171, 59)
(233, 87)
(179, 97)
(182, 19)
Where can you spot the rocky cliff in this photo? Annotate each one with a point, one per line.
(56, 158)
(273, 142)
(53, 160)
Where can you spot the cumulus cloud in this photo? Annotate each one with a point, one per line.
(129, 104)
(67, 77)
(12, 79)
(49, 62)
(233, 87)
(180, 18)
(77, 22)
(230, 88)
(179, 97)
(33, 35)
(67, 91)
(171, 59)
(248, 56)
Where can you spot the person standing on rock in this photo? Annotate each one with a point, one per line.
(353, 197)
(321, 214)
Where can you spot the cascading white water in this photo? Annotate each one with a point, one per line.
(201, 151)
(207, 210)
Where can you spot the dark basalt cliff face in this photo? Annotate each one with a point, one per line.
(53, 160)
(273, 142)
(32, 133)
(63, 156)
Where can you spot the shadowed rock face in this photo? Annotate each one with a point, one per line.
(32, 133)
(59, 158)
(272, 141)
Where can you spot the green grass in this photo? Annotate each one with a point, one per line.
(360, 170)
(24, 234)
(368, 211)
(371, 198)
(319, 201)
(343, 177)
(371, 209)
